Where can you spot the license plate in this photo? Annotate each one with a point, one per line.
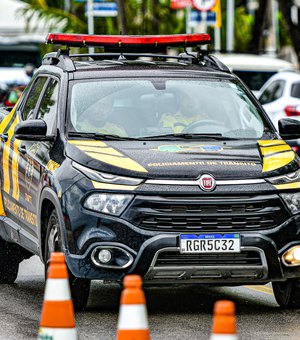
(210, 243)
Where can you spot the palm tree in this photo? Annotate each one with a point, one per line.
(135, 17)
(52, 13)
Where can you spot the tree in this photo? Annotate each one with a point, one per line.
(53, 14)
(259, 26)
(122, 16)
(293, 28)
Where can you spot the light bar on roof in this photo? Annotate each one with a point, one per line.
(119, 41)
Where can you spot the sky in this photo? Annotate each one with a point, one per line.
(10, 20)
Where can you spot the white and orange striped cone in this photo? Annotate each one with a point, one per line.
(133, 319)
(224, 323)
(57, 319)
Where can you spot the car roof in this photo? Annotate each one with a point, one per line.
(288, 76)
(249, 62)
(136, 71)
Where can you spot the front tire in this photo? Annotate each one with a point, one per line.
(287, 294)
(80, 288)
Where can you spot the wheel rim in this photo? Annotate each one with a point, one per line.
(53, 242)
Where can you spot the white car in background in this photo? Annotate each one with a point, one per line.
(254, 70)
(280, 96)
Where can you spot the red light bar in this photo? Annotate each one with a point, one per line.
(118, 41)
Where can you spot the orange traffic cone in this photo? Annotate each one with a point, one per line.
(133, 320)
(224, 323)
(57, 319)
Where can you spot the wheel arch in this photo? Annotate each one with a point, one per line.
(48, 202)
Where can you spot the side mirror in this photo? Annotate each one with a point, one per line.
(33, 129)
(289, 128)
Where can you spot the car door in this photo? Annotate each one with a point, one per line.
(34, 158)
(271, 99)
(11, 184)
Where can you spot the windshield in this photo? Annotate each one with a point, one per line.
(160, 107)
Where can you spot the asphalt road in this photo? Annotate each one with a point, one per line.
(179, 313)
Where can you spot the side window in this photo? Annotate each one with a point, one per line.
(33, 97)
(273, 92)
(295, 92)
(48, 108)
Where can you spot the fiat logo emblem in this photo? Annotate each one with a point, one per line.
(207, 183)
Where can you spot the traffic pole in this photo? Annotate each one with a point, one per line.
(230, 25)
(90, 15)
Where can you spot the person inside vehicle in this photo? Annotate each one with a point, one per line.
(97, 118)
(187, 113)
(29, 70)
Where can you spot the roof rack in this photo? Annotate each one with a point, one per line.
(64, 60)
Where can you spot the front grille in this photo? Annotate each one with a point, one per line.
(206, 214)
(169, 259)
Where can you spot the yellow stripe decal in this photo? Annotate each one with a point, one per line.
(295, 185)
(87, 143)
(275, 154)
(107, 154)
(124, 163)
(7, 119)
(108, 186)
(107, 150)
(2, 211)
(274, 149)
(264, 143)
(6, 181)
(261, 289)
(6, 151)
(52, 166)
(15, 171)
(15, 162)
(277, 160)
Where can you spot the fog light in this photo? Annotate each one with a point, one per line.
(292, 256)
(104, 256)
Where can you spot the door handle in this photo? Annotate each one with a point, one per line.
(22, 149)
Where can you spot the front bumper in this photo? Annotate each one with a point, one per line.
(157, 259)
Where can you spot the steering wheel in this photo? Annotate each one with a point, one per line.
(206, 126)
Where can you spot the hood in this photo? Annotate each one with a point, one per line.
(184, 159)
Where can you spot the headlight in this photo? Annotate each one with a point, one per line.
(106, 178)
(112, 204)
(292, 200)
(284, 179)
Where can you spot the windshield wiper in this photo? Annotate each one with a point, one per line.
(215, 136)
(98, 136)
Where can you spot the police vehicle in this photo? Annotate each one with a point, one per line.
(131, 161)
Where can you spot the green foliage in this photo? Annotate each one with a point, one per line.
(47, 11)
(142, 17)
(243, 29)
(284, 34)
